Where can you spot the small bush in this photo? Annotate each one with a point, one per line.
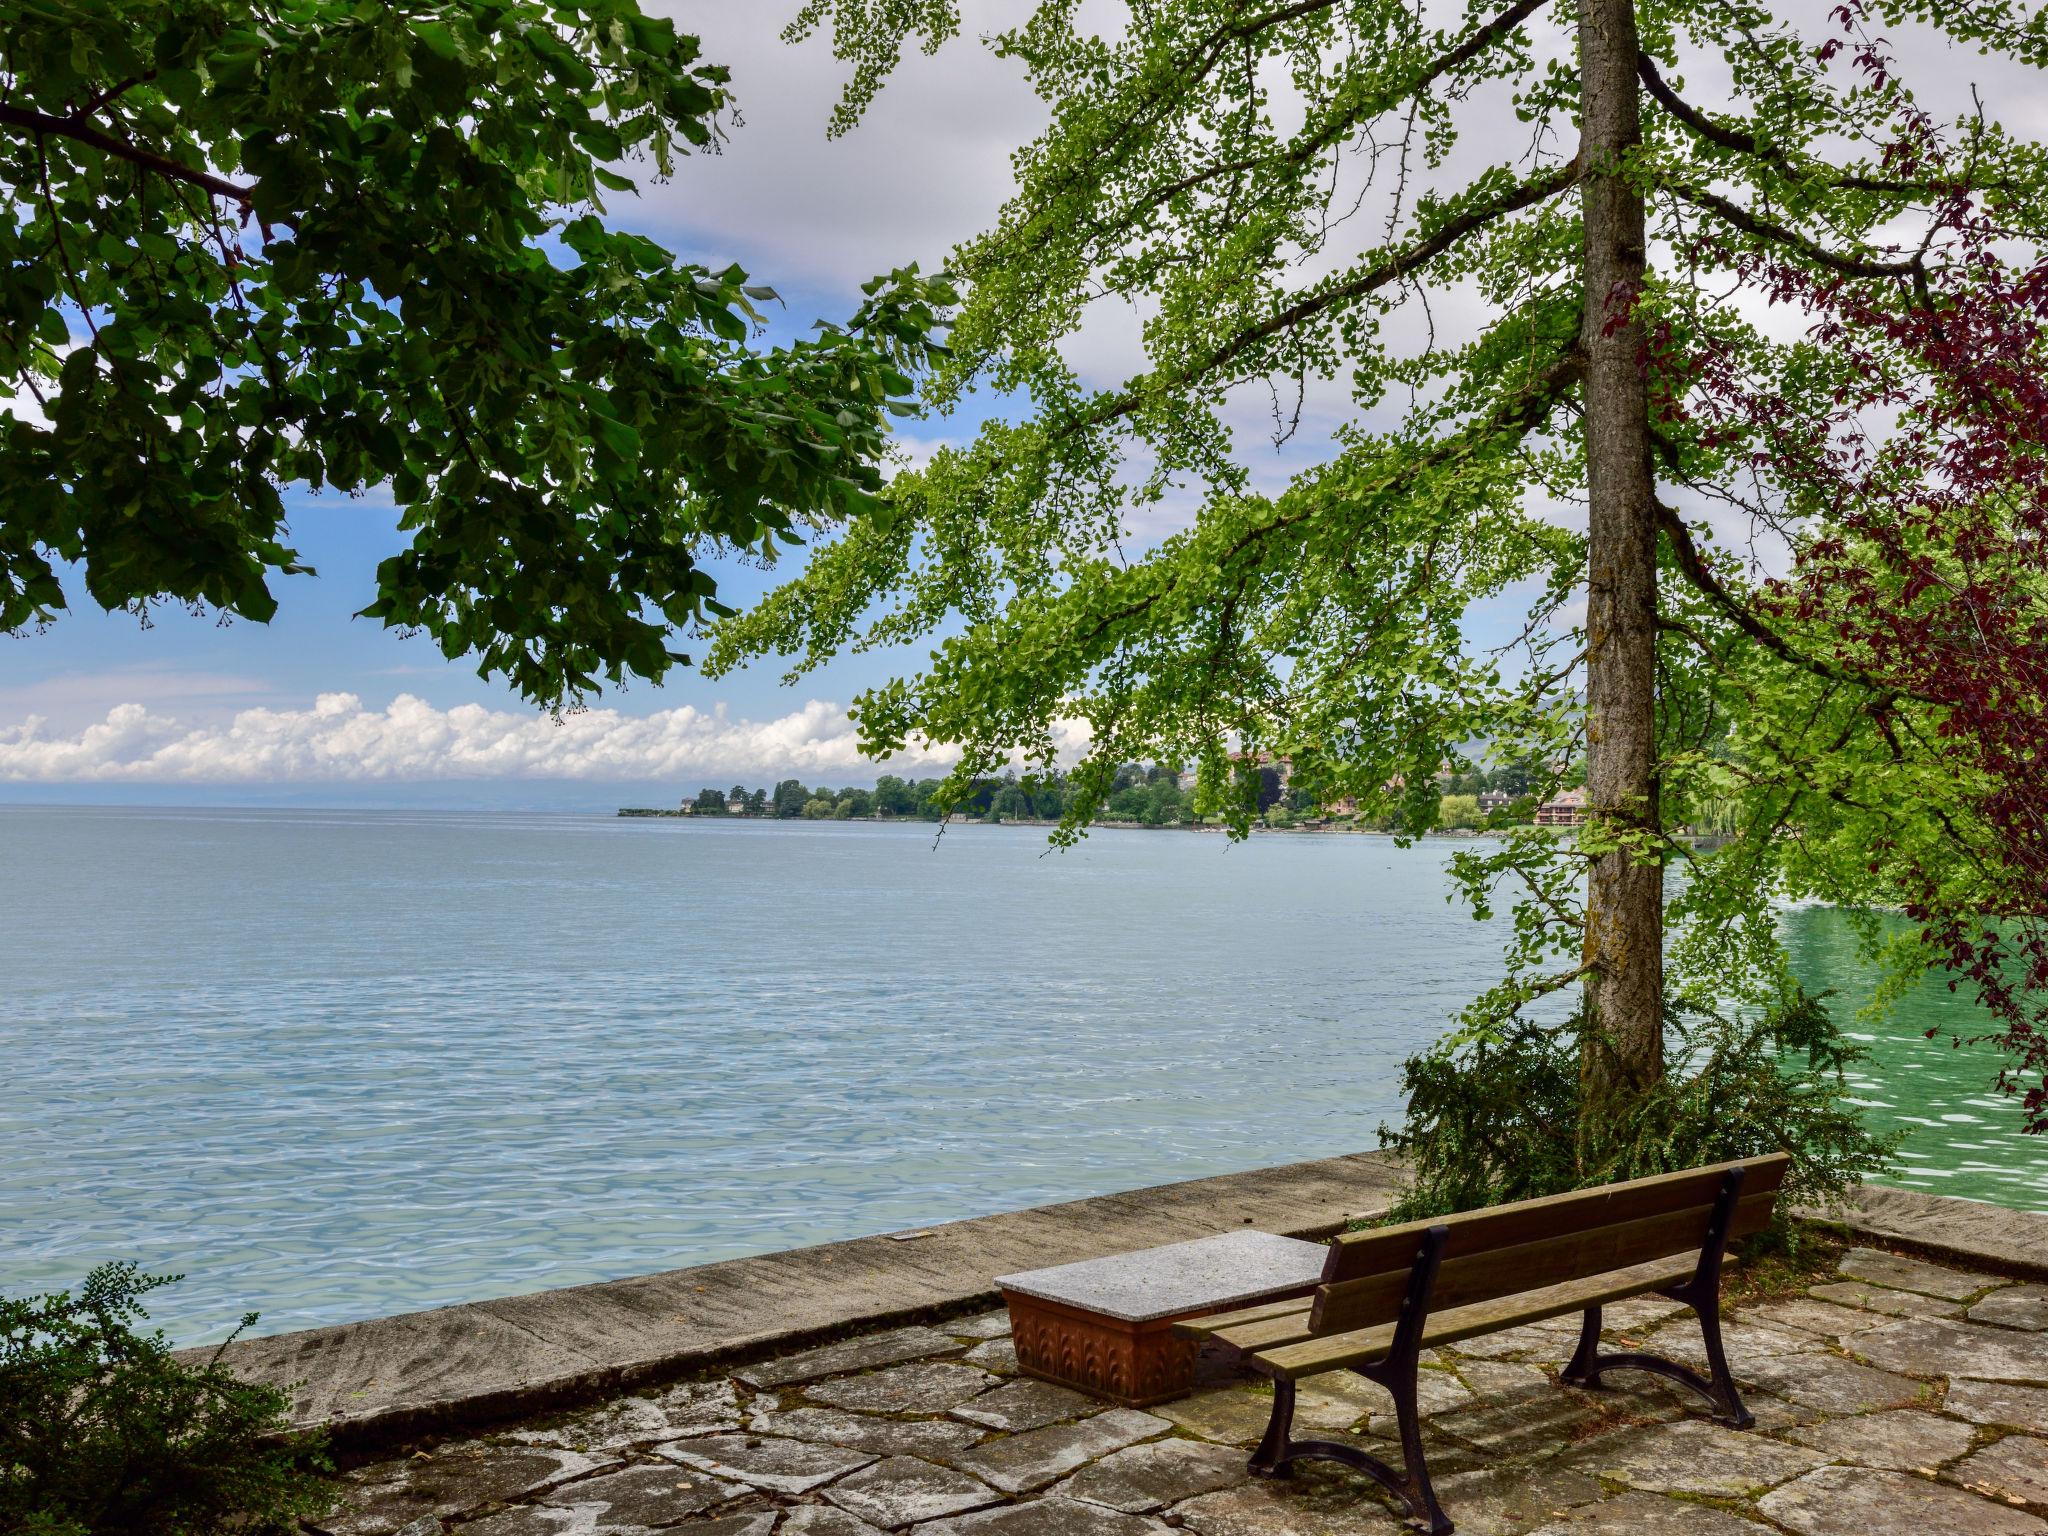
(1498, 1120)
(103, 1433)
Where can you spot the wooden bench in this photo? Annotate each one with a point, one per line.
(1389, 1294)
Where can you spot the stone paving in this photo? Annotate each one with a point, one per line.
(1899, 1398)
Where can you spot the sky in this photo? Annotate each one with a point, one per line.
(321, 707)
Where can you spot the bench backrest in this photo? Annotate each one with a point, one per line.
(1507, 1249)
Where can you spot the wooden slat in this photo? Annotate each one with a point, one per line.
(1480, 1277)
(1336, 1351)
(1358, 1254)
(1217, 1322)
(1248, 1337)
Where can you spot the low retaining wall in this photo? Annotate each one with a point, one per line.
(380, 1381)
(456, 1368)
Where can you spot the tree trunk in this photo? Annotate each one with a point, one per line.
(1624, 1043)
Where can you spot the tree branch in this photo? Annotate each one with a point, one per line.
(1389, 269)
(1474, 45)
(42, 124)
(1701, 575)
(1763, 229)
(1749, 144)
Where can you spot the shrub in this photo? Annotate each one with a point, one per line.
(1494, 1120)
(104, 1433)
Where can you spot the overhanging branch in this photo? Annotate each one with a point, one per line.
(43, 125)
(1389, 269)
(1777, 234)
(1710, 586)
(1742, 143)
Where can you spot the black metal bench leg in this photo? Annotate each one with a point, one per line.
(1270, 1459)
(1420, 1495)
(1725, 1394)
(1584, 1369)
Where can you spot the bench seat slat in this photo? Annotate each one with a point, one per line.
(1220, 1322)
(1335, 1351)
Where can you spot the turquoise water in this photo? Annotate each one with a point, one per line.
(336, 1065)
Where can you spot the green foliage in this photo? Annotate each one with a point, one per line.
(1375, 206)
(710, 802)
(246, 245)
(1499, 1118)
(103, 1433)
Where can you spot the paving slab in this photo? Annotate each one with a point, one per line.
(2015, 1469)
(1877, 1298)
(1822, 1319)
(1648, 1514)
(1142, 1478)
(1696, 1457)
(1927, 1346)
(1999, 1402)
(998, 1355)
(1831, 1383)
(904, 1490)
(1506, 1501)
(1541, 1424)
(865, 1353)
(926, 1386)
(779, 1466)
(983, 1325)
(2014, 1306)
(1293, 1507)
(1020, 1463)
(1043, 1517)
(645, 1495)
(1027, 1404)
(1905, 1440)
(1853, 1501)
(693, 1409)
(1229, 1415)
(1902, 1273)
(823, 1520)
(381, 1498)
(382, 1381)
(1550, 1341)
(1638, 1312)
(863, 1432)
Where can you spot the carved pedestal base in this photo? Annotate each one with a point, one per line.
(1132, 1363)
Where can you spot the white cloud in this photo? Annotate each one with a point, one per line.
(340, 740)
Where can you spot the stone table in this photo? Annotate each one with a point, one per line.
(1106, 1325)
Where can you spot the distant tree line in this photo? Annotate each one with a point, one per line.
(1151, 795)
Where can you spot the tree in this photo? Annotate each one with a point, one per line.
(248, 246)
(893, 797)
(1873, 699)
(710, 802)
(757, 802)
(790, 798)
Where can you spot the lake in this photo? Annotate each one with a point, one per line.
(333, 1065)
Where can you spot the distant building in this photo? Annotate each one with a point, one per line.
(1567, 810)
(1345, 805)
(735, 805)
(1491, 800)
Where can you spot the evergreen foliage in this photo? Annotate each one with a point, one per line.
(104, 1433)
(1501, 1116)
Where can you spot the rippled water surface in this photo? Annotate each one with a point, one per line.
(335, 1065)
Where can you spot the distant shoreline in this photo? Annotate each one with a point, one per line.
(1317, 828)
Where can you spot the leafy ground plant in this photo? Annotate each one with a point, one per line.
(103, 1432)
(1499, 1117)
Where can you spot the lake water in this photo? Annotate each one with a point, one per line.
(335, 1065)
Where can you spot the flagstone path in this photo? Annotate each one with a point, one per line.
(1899, 1398)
